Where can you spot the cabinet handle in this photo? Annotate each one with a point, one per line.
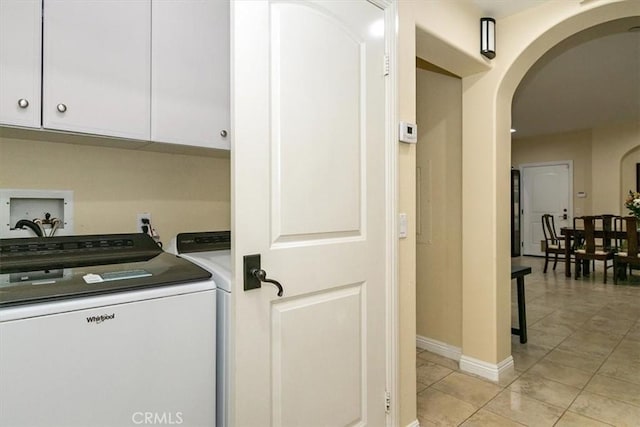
(23, 103)
(223, 133)
(62, 108)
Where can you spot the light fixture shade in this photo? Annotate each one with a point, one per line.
(488, 37)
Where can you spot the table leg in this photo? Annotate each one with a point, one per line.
(522, 310)
(567, 253)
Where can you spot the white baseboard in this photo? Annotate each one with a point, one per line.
(439, 348)
(490, 371)
(414, 423)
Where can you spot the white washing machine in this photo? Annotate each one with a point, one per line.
(104, 330)
(211, 250)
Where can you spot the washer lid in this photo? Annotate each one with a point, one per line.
(44, 269)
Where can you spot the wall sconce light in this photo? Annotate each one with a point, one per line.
(488, 37)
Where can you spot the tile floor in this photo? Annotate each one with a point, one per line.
(580, 366)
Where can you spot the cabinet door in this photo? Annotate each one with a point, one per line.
(97, 67)
(20, 41)
(190, 72)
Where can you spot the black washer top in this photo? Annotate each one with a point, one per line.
(205, 241)
(41, 269)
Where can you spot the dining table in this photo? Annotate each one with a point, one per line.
(571, 233)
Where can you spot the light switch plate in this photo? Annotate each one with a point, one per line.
(402, 226)
(408, 133)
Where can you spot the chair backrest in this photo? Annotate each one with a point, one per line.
(587, 233)
(549, 228)
(585, 230)
(606, 222)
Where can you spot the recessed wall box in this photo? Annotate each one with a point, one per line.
(408, 132)
(16, 205)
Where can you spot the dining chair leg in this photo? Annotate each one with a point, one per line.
(578, 264)
(546, 262)
(555, 262)
(605, 271)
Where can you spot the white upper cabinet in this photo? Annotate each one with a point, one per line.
(190, 72)
(96, 67)
(20, 37)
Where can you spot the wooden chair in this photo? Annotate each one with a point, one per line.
(553, 244)
(627, 255)
(589, 251)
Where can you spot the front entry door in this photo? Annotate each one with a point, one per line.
(308, 171)
(546, 189)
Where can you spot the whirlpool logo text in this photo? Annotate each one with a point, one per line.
(101, 318)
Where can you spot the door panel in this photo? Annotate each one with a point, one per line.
(308, 155)
(317, 156)
(339, 339)
(546, 189)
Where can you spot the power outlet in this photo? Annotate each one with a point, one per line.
(143, 219)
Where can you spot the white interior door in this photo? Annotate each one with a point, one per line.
(308, 156)
(546, 188)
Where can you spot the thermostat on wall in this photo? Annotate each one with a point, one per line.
(408, 132)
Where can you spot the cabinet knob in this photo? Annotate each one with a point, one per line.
(23, 103)
(223, 133)
(62, 108)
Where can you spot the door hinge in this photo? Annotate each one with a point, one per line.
(387, 402)
(386, 65)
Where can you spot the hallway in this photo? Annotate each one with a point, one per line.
(580, 367)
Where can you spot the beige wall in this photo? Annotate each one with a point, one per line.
(407, 203)
(439, 202)
(610, 145)
(604, 160)
(575, 146)
(112, 185)
(488, 88)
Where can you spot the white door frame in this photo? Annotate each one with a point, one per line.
(524, 202)
(391, 241)
(391, 147)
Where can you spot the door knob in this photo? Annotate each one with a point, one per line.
(254, 276)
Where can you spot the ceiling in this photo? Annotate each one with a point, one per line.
(587, 80)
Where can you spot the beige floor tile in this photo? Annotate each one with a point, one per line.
(429, 373)
(608, 325)
(571, 419)
(420, 386)
(427, 356)
(524, 361)
(484, 418)
(552, 329)
(615, 389)
(577, 329)
(507, 378)
(606, 410)
(628, 349)
(545, 390)
(523, 409)
(539, 339)
(442, 408)
(563, 374)
(589, 343)
(634, 332)
(574, 360)
(621, 368)
(469, 389)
